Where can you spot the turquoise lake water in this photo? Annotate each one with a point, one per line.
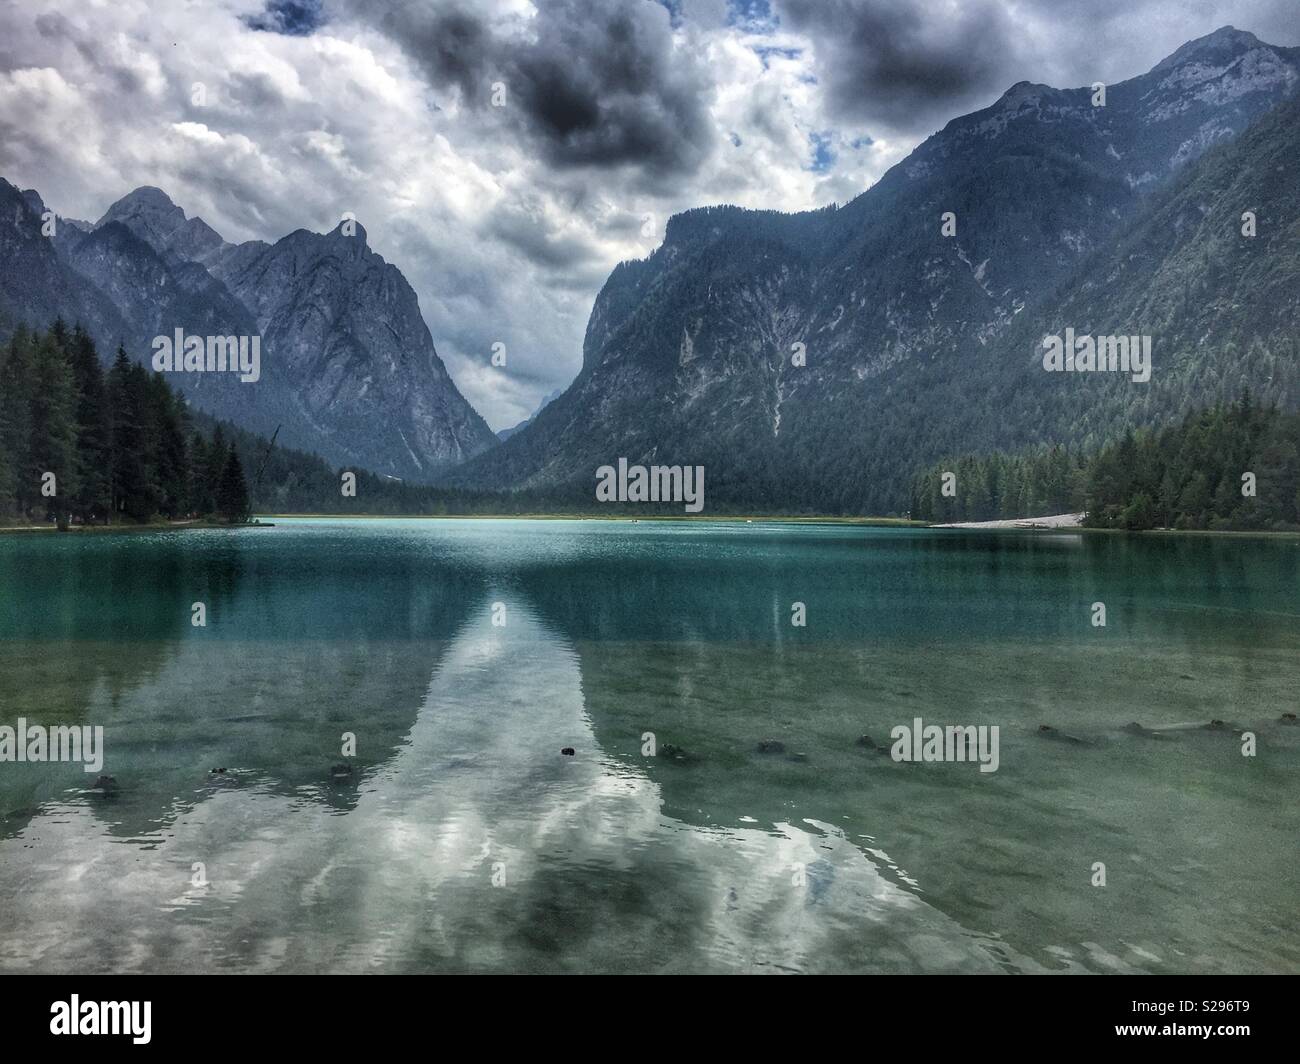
(463, 840)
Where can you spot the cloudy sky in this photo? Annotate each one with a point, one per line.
(505, 155)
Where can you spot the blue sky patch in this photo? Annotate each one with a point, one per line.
(292, 18)
(823, 153)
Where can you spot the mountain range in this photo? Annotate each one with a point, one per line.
(918, 344)
(348, 368)
(810, 362)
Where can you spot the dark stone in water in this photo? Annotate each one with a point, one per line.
(868, 743)
(218, 771)
(107, 784)
(771, 746)
(1048, 732)
(1222, 726)
(673, 753)
(340, 771)
(1287, 718)
(567, 751)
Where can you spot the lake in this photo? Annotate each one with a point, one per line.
(464, 655)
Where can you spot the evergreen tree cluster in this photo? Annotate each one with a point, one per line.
(1234, 466)
(992, 487)
(1228, 467)
(79, 445)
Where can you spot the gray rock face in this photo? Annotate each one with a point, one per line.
(689, 355)
(346, 327)
(36, 284)
(348, 368)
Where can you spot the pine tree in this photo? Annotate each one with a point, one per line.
(200, 499)
(217, 458)
(168, 458)
(130, 487)
(17, 381)
(52, 455)
(93, 501)
(232, 494)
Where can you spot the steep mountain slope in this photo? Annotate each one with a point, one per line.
(688, 354)
(348, 368)
(346, 326)
(36, 286)
(1220, 306)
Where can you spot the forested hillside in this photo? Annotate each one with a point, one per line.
(79, 446)
(1234, 466)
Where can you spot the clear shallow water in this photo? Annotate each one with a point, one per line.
(727, 860)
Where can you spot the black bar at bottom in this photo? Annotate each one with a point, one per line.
(214, 1014)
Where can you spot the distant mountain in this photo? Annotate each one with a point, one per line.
(36, 286)
(348, 368)
(920, 344)
(505, 434)
(155, 219)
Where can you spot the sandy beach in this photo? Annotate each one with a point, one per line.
(1054, 521)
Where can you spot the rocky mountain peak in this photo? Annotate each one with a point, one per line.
(1220, 47)
(33, 200)
(357, 234)
(152, 216)
(145, 204)
(1022, 93)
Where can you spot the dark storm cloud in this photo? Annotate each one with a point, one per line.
(452, 45)
(596, 83)
(906, 65)
(910, 65)
(605, 86)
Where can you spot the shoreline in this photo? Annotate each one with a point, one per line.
(1039, 526)
(169, 526)
(1028, 524)
(882, 522)
(1053, 521)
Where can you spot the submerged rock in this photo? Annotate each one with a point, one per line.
(340, 771)
(106, 784)
(1217, 725)
(1048, 732)
(567, 751)
(1288, 718)
(771, 746)
(866, 742)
